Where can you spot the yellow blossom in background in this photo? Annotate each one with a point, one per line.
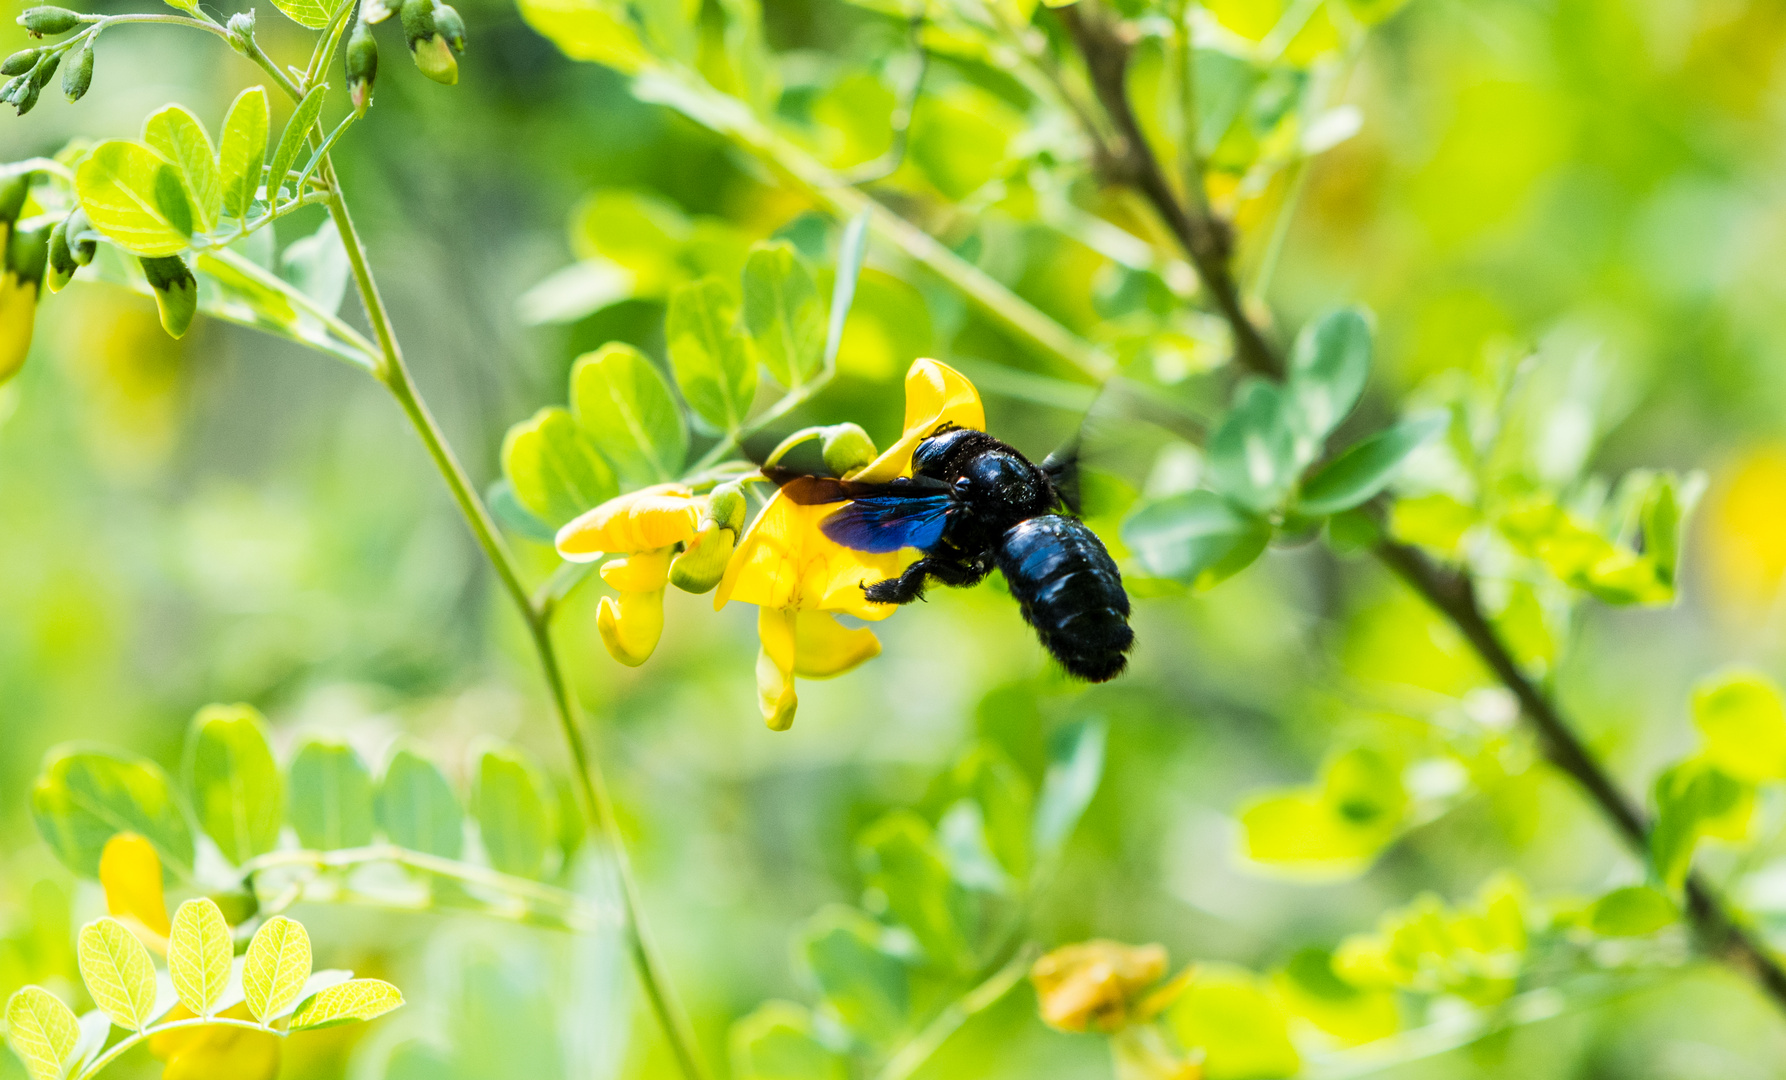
(1745, 531)
(18, 314)
(1096, 985)
(130, 874)
(644, 526)
(216, 1052)
(797, 575)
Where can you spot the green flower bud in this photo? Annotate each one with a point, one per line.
(20, 62)
(26, 100)
(362, 65)
(13, 190)
(418, 21)
(701, 565)
(435, 59)
(725, 507)
(49, 20)
(15, 89)
(61, 265)
(241, 32)
(847, 448)
(176, 292)
(27, 254)
(450, 26)
(79, 75)
(45, 71)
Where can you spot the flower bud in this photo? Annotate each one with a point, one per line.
(26, 255)
(725, 507)
(81, 238)
(45, 70)
(418, 20)
(15, 89)
(26, 98)
(49, 20)
(1095, 984)
(700, 566)
(13, 190)
(79, 75)
(450, 26)
(20, 62)
(241, 32)
(435, 59)
(362, 66)
(176, 292)
(847, 449)
(61, 266)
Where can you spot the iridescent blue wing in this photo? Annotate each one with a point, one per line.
(883, 523)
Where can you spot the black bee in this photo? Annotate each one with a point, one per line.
(973, 503)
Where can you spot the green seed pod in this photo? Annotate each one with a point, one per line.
(847, 448)
(26, 100)
(362, 65)
(61, 265)
(45, 70)
(701, 565)
(176, 292)
(435, 59)
(450, 26)
(20, 62)
(82, 241)
(27, 254)
(13, 190)
(725, 507)
(418, 21)
(49, 20)
(79, 75)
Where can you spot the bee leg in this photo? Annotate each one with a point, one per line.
(909, 586)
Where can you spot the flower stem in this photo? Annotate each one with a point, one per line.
(132, 1039)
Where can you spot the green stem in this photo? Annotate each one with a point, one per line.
(132, 1039)
(926, 1043)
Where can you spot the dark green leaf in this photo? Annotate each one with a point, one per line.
(1253, 455)
(292, 142)
(1197, 538)
(1328, 369)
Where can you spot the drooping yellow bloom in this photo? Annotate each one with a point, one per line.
(1096, 984)
(644, 526)
(18, 314)
(798, 576)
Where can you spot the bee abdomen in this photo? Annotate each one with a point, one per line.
(1071, 592)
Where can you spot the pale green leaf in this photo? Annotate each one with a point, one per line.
(901, 858)
(710, 357)
(178, 136)
(41, 1030)
(989, 777)
(85, 797)
(1243, 1034)
(1742, 718)
(852, 248)
(554, 468)
(1075, 768)
(510, 803)
(1632, 911)
(624, 404)
(597, 30)
(347, 1003)
(234, 782)
(276, 967)
(199, 951)
(243, 150)
(135, 198)
(118, 972)
(1695, 799)
(1367, 467)
(783, 313)
(417, 808)
(777, 1042)
(1328, 369)
(312, 14)
(330, 804)
(862, 981)
(1196, 538)
(292, 142)
(1254, 453)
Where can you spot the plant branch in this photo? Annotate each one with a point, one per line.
(117, 1050)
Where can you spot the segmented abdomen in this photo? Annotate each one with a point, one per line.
(1071, 592)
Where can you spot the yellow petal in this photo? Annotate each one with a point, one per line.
(18, 313)
(645, 572)
(655, 517)
(207, 1053)
(785, 561)
(775, 667)
(130, 873)
(824, 647)
(631, 624)
(935, 394)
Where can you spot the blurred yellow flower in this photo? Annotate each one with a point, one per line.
(644, 527)
(18, 313)
(130, 874)
(1096, 984)
(1745, 532)
(210, 1052)
(797, 575)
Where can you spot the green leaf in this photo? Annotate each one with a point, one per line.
(1694, 799)
(777, 1042)
(510, 803)
(511, 515)
(1253, 453)
(635, 232)
(1743, 721)
(41, 1030)
(1196, 537)
(178, 136)
(1075, 767)
(124, 187)
(313, 14)
(595, 30)
(784, 314)
(555, 470)
(292, 142)
(243, 150)
(1242, 1032)
(710, 357)
(417, 808)
(1366, 467)
(276, 968)
(118, 973)
(862, 982)
(989, 777)
(84, 797)
(1328, 369)
(852, 248)
(350, 1002)
(1632, 911)
(900, 858)
(199, 951)
(331, 796)
(624, 404)
(1662, 514)
(234, 782)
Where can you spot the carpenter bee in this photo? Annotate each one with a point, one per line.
(972, 504)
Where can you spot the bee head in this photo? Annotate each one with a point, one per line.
(940, 456)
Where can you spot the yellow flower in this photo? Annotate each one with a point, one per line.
(797, 576)
(18, 313)
(644, 526)
(1096, 984)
